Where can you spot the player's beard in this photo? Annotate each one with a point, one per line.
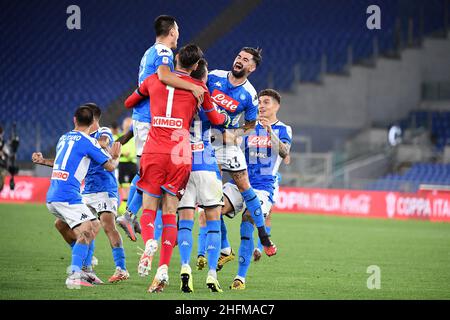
(238, 74)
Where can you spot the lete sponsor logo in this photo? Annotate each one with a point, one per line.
(259, 141)
(224, 101)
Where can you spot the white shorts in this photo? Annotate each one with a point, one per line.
(231, 191)
(140, 132)
(203, 189)
(230, 158)
(72, 214)
(100, 202)
(276, 193)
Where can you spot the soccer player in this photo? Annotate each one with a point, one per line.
(265, 148)
(204, 189)
(74, 153)
(127, 165)
(100, 194)
(158, 59)
(233, 93)
(166, 159)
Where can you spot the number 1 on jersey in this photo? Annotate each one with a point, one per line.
(169, 101)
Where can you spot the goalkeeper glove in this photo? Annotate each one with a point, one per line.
(227, 121)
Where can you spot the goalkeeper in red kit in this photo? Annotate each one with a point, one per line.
(167, 156)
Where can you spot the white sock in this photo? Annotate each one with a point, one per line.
(240, 278)
(226, 251)
(212, 273)
(186, 266)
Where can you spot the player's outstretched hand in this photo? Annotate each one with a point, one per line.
(198, 92)
(115, 150)
(37, 158)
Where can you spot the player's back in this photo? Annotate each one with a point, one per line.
(203, 155)
(156, 55)
(74, 152)
(97, 178)
(172, 113)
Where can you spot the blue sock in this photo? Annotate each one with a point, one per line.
(158, 224)
(253, 206)
(88, 260)
(213, 243)
(119, 257)
(136, 203)
(260, 246)
(132, 189)
(246, 248)
(224, 234)
(185, 240)
(79, 253)
(201, 250)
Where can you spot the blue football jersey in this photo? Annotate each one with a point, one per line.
(98, 179)
(203, 155)
(155, 56)
(235, 100)
(74, 152)
(262, 161)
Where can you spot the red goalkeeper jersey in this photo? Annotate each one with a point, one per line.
(172, 111)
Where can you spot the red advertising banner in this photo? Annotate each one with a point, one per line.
(27, 189)
(430, 205)
(427, 205)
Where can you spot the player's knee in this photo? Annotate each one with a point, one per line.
(246, 217)
(59, 224)
(241, 180)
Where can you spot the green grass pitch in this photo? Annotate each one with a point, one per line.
(319, 257)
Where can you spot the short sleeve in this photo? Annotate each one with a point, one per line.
(286, 135)
(106, 132)
(251, 111)
(164, 57)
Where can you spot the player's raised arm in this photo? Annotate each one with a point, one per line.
(126, 137)
(38, 158)
(112, 163)
(169, 78)
(215, 116)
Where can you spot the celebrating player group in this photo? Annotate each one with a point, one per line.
(187, 131)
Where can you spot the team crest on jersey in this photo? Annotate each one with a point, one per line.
(60, 175)
(259, 141)
(163, 122)
(242, 96)
(224, 101)
(165, 60)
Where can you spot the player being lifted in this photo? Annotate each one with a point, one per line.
(100, 194)
(232, 92)
(265, 148)
(166, 159)
(204, 189)
(158, 59)
(74, 152)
